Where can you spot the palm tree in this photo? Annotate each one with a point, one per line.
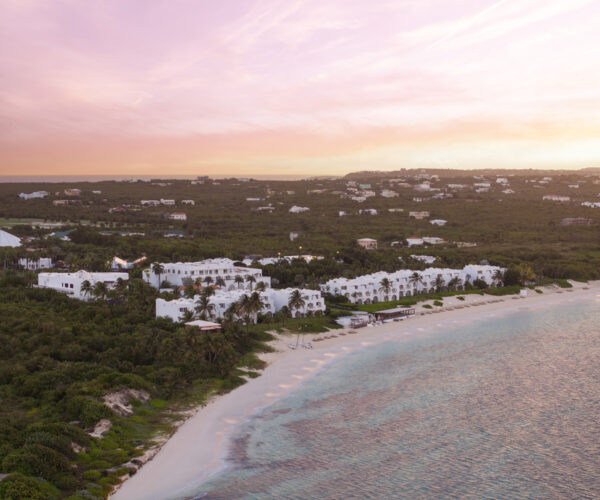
(386, 287)
(295, 301)
(204, 308)
(100, 290)
(261, 286)
(187, 316)
(439, 283)
(120, 288)
(231, 312)
(250, 279)
(454, 283)
(219, 281)
(498, 277)
(239, 280)
(207, 291)
(244, 307)
(158, 269)
(415, 279)
(208, 280)
(86, 288)
(256, 303)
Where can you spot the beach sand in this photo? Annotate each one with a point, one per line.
(198, 449)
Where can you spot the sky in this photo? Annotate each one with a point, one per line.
(316, 87)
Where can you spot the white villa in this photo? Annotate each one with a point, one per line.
(150, 203)
(178, 216)
(273, 299)
(556, 197)
(419, 215)
(167, 202)
(297, 210)
(438, 222)
(368, 289)
(182, 273)
(36, 265)
(367, 211)
(34, 195)
(368, 243)
(188, 202)
(70, 283)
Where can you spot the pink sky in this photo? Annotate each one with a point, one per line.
(297, 86)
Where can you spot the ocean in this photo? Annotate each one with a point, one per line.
(507, 407)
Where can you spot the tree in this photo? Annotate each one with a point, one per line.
(250, 278)
(120, 288)
(415, 279)
(295, 301)
(261, 286)
(386, 286)
(219, 281)
(208, 280)
(239, 281)
(158, 269)
(204, 308)
(100, 290)
(498, 277)
(439, 283)
(454, 283)
(86, 288)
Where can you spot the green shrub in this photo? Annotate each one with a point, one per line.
(438, 303)
(18, 487)
(427, 306)
(537, 290)
(86, 410)
(460, 297)
(37, 460)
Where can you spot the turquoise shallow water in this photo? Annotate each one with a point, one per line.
(502, 408)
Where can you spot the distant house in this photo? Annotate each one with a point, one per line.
(419, 215)
(297, 210)
(342, 213)
(508, 191)
(121, 264)
(167, 202)
(576, 221)
(36, 265)
(367, 211)
(556, 197)
(411, 242)
(294, 235)
(188, 202)
(70, 283)
(150, 203)
(364, 186)
(438, 222)
(34, 195)
(178, 216)
(502, 180)
(368, 243)
(395, 210)
(97, 192)
(116, 210)
(388, 193)
(72, 192)
(60, 203)
(433, 240)
(9, 240)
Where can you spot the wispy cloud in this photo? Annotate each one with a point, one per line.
(336, 83)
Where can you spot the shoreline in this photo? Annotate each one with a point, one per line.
(198, 448)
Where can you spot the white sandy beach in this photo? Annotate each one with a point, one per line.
(199, 447)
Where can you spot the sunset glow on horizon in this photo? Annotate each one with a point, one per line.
(201, 87)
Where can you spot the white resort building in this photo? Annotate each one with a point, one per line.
(70, 283)
(369, 289)
(183, 273)
(36, 264)
(274, 300)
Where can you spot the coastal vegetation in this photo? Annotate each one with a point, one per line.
(62, 359)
